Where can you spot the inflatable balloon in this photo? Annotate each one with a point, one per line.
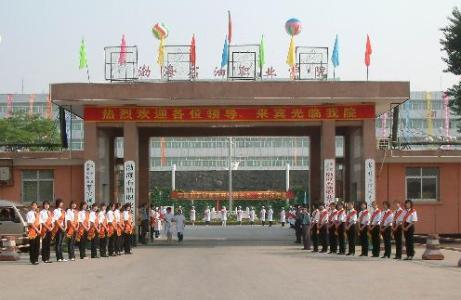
(293, 26)
(160, 31)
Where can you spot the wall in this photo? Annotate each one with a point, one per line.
(442, 216)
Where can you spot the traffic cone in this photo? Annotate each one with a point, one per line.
(8, 251)
(432, 251)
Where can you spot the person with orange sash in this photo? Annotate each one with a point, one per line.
(315, 228)
(397, 229)
(375, 221)
(111, 227)
(364, 220)
(332, 232)
(340, 228)
(59, 217)
(72, 228)
(386, 228)
(128, 228)
(33, 232)
(323, 228)
(83, 227)
(46, 219)
(351, 220)
(118, 229)
(411, 217)
(93, 231)
(103, 229)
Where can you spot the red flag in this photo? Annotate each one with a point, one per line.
(229, 27)
(49, 108)
(192, 54)
(368, 52)
(31, 104)
(9, 105)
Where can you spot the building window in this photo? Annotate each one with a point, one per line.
(422, 183)
(37, 185)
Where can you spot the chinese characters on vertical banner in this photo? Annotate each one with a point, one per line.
(329, 180)
(130, 185)
(370, 181)
(90, 182)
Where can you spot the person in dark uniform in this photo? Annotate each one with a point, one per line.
(351, 220)
(315, 228)
(399, 213)
(364, 220)
(386, 228)
(375, 230)
(332, 233)
(298, 225)
(409, 221)
(340, 228)
(323, 228)
(305, 223)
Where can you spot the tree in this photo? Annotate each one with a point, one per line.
(21, 131)
(451, 44)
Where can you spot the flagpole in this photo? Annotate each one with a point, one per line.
(334, 73)
(367, 73)
(88, 73)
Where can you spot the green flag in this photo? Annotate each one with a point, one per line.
(83, 63)
(262, 59)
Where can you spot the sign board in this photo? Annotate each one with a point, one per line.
(370, 181)
(130, 185)
(89, 182)
(329, 181)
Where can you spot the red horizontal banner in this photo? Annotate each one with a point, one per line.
(229, 114)
(245, 195)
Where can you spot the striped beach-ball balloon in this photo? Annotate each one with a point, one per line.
(293, 26)
(160, 31)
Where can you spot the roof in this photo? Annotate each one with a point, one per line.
(205, 93)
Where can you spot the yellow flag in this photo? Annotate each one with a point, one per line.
(291, 57)
(161, 53)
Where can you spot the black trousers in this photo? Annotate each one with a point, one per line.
(376, 241)
(315, 237)
(333, 238)
(398, 241)
(409, 241)
(323, 234)
(118, 243)
(82, 245)
(94, 246)
(263, 222)
(299, 232)
(387, 241)
(351, 239)
(342, 238)
(180, 236)
(34, 249)
(71, 247)
(46, 246)
(364, 240)
(103, 246)
(270, 223)
(112, 240)
(58, 246)
(127, 242)
(283, 224)
(306, 237)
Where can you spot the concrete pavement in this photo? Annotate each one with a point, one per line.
(233, 263)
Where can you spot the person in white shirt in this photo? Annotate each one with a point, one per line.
(169, 218)
(111, 228)
(387, 218)
(239, 215)
(270, 216)
(332, 233)
(180, 221)
(323, 228)
(315, 228)
(33, 224)
(252, 214)
(351, 219)
(340, 228)
(59, 217)
(103, 229)
(118, 230)
(93, 231)
(283, 217)
(411, 217)
(46, 220)
(207, 215)
(128, 225)
(158, 222)
(399, 213)
(224, 216)
(375, 221)
(192, 215)
(71, 220)
(364, 220)
(262, 215)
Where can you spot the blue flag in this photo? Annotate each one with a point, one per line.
(225, 54)
(335, 55)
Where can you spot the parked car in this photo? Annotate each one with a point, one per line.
(13, 222)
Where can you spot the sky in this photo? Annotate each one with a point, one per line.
(40, 40)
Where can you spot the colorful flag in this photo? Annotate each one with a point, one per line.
(229, 27)
(49, 108)
(161, 53)
(122, 56)
(225, 54)
(83, 62)
(368, 52)
(335, 55)
(31, 104)
(9, 105)
(262, 58)
(291, 57)
(192, 55)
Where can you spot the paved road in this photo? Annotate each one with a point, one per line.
(233, 263)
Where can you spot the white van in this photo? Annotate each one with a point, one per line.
(13, 222)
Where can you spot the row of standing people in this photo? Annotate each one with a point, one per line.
(264, 215)
(331, 228)
(108, 229)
